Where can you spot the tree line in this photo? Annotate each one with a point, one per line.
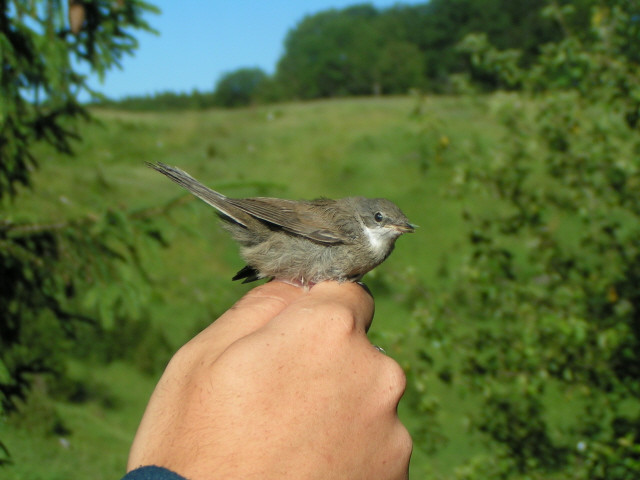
(363, 50)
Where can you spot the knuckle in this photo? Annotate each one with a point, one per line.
(338, 319)
(182, 360)
(396, 379)
(396, 373)
(404, 442)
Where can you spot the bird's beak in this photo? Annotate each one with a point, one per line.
(405, 228)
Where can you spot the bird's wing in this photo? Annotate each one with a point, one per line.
(295, 217)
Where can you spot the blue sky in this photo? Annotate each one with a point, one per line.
(200, 40)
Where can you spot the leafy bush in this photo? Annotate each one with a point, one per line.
(547, 305)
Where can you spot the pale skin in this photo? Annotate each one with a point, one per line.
(285, 384)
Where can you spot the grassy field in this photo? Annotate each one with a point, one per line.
(406, 149)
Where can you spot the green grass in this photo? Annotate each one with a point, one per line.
(405, 149)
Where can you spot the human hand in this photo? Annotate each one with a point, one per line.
(285, 384)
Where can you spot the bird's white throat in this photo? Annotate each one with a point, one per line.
(378, 239)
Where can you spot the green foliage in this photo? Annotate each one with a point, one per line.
(39, 81)
(239, 88)
(361, 50)
(551, 284)
(332, 53)
(399, 69)
(48, 266)
(58, 277)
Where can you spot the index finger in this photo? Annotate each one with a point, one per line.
(248, 314)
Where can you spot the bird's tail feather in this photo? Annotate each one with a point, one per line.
(213, 198)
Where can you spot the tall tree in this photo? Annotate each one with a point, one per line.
(44, 47)
(331, 53)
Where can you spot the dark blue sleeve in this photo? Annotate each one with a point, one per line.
(152, 472)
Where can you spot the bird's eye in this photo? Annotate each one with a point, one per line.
(377, 217)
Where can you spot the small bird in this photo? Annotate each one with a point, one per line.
(303, 242)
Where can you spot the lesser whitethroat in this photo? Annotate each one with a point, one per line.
(304, 242)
